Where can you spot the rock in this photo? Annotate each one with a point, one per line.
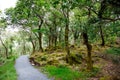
(33, 62)
(75, 58)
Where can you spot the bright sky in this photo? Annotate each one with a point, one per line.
(7, 4)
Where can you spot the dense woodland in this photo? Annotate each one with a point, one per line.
(78, 34)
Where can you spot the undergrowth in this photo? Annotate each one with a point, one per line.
(65, 73)
(113, 54)
(113, 51)
(7, 71)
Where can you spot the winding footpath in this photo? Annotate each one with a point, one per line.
(26, 71)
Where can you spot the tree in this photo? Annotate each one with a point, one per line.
(65, 6)
(6, 49)
(2, 27)
(30, 13)
(114, 6)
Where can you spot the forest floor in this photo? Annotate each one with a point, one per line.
(109, 67)
(106, 61)
(26, 71)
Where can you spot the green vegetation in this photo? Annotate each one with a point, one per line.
(7, 71)
(73, 33)
(65, 73)
(113, 54)
(113, 51)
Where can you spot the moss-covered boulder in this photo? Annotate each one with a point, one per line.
(75, 58)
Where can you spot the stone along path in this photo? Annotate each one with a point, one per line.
(26, 71)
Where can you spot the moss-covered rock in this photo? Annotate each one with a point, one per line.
(75, 58)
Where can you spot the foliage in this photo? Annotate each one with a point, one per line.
(113, 54)
(64, 73)
(113, 51)
(7, 71)
(45, 22)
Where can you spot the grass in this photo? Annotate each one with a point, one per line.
(114, 51)
(64, 73)
(7, 71)
(113, 54)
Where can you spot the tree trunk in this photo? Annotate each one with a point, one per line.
(67, 43)
(6, 49)
(50, 38)
(76, 35)
(100, 16)
(60, 36)
(67, 37)
(40, 36)
(11, 49)
(24, 49)
(33, 45)
(55, 31)
(102, 36)
(55, 42)
(89, 57)
(89, 48)
(49, 42)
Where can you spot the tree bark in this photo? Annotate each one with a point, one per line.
(102, 36)
(40, 36)
(50, 38)
(67, 37)
(33, 45)
(75, 35)
(88, 45)
(24, 49)
(100, 16)
(89, 48)
(55, 31)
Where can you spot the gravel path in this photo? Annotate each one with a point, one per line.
(26, 71)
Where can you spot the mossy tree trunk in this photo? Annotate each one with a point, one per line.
(40, 35)
(89, 48)
(67, 36)
(88, 45)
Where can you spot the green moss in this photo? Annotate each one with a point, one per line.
(75, 58)
(8, 72)
(105, 78)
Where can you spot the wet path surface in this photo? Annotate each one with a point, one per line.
(26, 71)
